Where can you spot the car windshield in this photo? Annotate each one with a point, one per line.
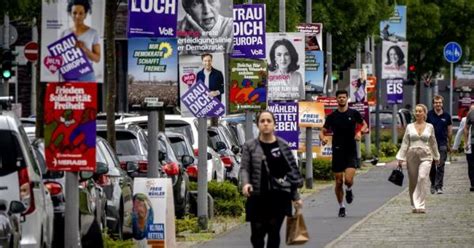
(127, 144)
(11, 156)
(179, 147)
(212, 140)
(182, 128)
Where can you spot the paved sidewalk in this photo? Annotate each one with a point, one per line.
(371, 190)
(449, 221)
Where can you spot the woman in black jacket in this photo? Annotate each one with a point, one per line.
(266, 160)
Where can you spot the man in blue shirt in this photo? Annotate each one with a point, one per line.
(442, 124)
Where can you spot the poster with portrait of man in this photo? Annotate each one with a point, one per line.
(208, 69)
(394, 59)
(286, 66)
(395, 28)
(205, 26)
(152, 70)
(66, 58)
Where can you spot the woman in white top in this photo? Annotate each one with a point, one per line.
(467, 148)
(418, 149)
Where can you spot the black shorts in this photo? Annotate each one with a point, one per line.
(343, 158)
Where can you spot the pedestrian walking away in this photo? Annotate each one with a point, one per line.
(343, 125)
(442, 124)
(419, 148)
(270, 179)
(467, 145)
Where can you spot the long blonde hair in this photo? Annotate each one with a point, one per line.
(425, 109)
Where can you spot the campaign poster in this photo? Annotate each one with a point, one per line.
(249, 31)
(151, 18)
(57, 22)
(395, 91)
(74, 63)
(394, 59)
(193, 69)
(363, 108)
(200, 103)
(286, 115)
(70, 111)
(357, 86)
(313, 35)
(153, 219)
(464, 74)
(319, 150)
(371, 90)
(395, 28)
(248, 85)
(286, 66)
(311, 114)
(152, 70)
(314, 71)
(205, 26)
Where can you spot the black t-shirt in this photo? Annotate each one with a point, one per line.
(440, 124)
(343, 125)
(276, 163)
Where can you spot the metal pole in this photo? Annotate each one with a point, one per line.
(451, 90)
(152, 170)
(309, 130)
(368, 59)
(202, 175)
(71, 218)
(329, 63)
(358, 66)
(394, 125)
(6, 45)
(429, 96)
(435, 87)
(378, 71)
(282, 20)
(248, 125)
(34, 31)
(16, 84)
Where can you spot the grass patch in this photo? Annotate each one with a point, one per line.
(111, 243)
(386, 159)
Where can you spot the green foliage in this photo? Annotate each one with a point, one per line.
(388, 149)
(227, 199)
(322, 169)
(111, 243)
(188, 223)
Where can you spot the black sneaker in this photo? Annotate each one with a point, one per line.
(433, 190)
(342, 212)
(471, 189)
(349, 196)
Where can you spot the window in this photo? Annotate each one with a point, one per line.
(11, 156)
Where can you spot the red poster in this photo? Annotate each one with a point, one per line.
(69, 126)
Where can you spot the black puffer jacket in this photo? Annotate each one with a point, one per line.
(251, 166)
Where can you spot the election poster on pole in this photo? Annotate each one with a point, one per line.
(70, 111)
(150, 18)
(248, 85)
(394, 59)
(249, 31)
(286, 115)
(153, 219)
(311, 114)
(358, 86)
(152, 70)
(71, 54)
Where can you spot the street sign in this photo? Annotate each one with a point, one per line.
(452, 52)
(31, 51)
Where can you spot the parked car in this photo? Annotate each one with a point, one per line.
(20, 180)
(220, 144)
(237, 130)
(10, 231)
(182, 147)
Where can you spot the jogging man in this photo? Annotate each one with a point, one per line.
(343, 122)
(442, 124)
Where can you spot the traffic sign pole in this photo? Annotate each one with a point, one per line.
(452, 53)
(451, 85)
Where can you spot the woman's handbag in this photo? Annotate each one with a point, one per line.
(397, 176)
(277, 184)
(296, 231)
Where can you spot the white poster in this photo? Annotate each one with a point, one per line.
(358, 86)
(153, 212)
(394, 59)
(286, 66)
(208, 68)
(83, 18)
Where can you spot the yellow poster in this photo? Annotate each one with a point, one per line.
(319, 151)
(311, 114)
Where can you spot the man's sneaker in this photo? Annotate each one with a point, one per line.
(349, 196)
(433, 190)
(439, 191)
(342, 212)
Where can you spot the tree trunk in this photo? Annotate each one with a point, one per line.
(110, 16)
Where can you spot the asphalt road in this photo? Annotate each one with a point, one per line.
(371, 191)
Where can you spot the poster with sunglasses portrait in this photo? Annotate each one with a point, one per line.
(394, 59)
(84, 19)
(286, 66)
(205, 26)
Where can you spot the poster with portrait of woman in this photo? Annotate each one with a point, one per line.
(394, 59)
(85, 20)
(286, 66)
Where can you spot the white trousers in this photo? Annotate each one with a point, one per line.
(418, 176)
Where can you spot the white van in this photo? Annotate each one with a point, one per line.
(20, 180)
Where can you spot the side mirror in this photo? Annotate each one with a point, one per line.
(187, 160)
(17, 207)
(132, 167)
(101, 168)
(85, 175)
(235, 149)
(220, 146)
